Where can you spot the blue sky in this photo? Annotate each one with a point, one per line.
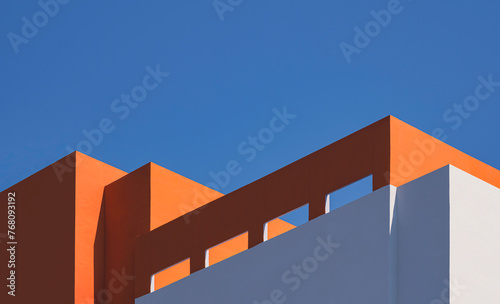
(230, 71)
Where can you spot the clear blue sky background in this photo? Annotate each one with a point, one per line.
(227, 76)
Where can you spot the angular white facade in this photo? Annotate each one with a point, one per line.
(404, 245)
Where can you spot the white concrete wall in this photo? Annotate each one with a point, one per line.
(422, 260)
(355, 272)
(474, 240)
(448, 240)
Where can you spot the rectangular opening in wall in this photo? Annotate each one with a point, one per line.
(286, 222)
(348, 194)
(170, 275)
(226, 249)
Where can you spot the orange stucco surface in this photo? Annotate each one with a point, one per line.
(415, 153)
(58, 211)
(138, 203)
(91, 177)
(172, 274)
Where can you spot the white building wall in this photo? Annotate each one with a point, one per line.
(474, 240)
(423, 238)
(354, 270)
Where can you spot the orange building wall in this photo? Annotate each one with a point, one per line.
(173, 195)
(76, 236)
(55, 229)
(277, 227)
(127, 211)
(172, 274)
(136, 204)
(45, 226)
(239, 243)
(228, 248)
(217, 254)
(415, 153)
(91, 177)
(247, 209)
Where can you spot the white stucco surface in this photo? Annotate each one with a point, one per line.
(354, 272)
(474, 240)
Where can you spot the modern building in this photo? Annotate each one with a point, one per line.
(86, 232)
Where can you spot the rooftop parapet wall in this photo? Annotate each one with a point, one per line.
(390, 150)
(247, 209)
(432, 240)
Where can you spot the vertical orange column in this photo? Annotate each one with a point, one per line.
(57, 217)
(136, 204)
(127, 212)
(91, 178)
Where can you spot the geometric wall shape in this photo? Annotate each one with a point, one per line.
(432, 240)
(58, 253)
(137, 204)
(343, 255)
